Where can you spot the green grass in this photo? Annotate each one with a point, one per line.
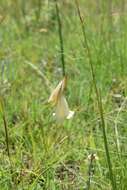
(43, 154)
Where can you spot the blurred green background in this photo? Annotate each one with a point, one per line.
(43, 154)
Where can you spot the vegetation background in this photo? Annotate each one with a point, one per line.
(35, 152)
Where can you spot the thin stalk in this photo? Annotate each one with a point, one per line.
(24, 14)
(90, 172)
(38, 13)
(123, 38)
(60, 37)
(43, 137)
(92, 158)
(110, 30)
(5, 127)
(99, 101)
(6, 138)
(116, 123)
(2, 111)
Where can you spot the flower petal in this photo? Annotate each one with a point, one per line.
(71, 114)
(62, 109)
(57, 92)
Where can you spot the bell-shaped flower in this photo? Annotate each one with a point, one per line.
(59, 101)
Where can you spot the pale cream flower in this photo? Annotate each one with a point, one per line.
(59, 101)
(93, 157)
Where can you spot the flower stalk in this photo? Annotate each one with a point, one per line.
(5, 126)
(60, 37)
(99, 101)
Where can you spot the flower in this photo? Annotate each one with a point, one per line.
(59, 101)
(92, 157)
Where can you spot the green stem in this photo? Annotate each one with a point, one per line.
(5, 128)
(99, 101)
(14, 186)
(60, 37)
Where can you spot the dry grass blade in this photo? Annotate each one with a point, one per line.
(40, 74)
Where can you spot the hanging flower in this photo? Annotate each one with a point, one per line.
(59, 101)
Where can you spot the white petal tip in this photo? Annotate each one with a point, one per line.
(53, 114)
(70, 115)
